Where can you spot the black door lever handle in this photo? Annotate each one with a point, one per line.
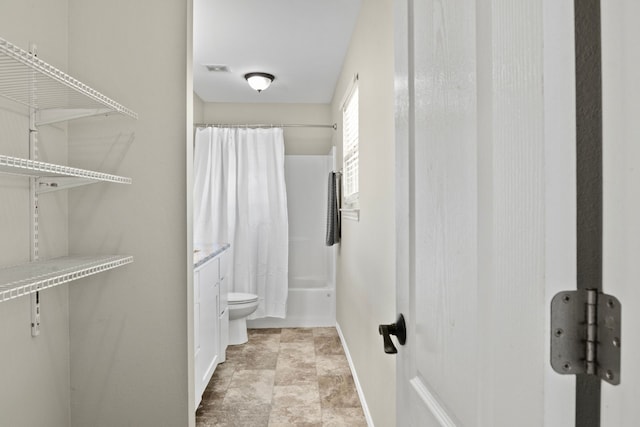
(399, 329)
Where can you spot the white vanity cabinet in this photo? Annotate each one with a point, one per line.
(211, 316)
(206, 301)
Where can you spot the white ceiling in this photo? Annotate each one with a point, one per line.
(301, 42)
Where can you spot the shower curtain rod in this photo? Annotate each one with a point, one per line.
(217, 125)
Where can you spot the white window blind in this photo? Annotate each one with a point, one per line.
(350, 147)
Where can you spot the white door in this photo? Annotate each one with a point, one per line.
(621, 197)
(437, 265)
(485, 228)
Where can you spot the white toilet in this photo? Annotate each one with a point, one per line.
(241, 305)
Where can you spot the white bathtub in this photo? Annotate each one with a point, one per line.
(305, 308)
(308, 282)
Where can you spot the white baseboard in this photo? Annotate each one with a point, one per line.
(363, 401)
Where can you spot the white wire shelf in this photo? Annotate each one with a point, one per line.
(25, 279)
(55, 95)
(55, 177)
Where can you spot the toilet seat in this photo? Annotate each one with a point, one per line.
(241, 298)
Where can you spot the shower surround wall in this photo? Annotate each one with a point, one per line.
(310, 260)
(311, 264)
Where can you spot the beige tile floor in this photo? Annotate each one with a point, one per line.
(283, 377)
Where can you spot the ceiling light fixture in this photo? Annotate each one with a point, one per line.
(259, 81)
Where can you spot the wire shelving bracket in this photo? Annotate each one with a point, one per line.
(55, 177)
(60, 97)
(25, 279)
(49, 96)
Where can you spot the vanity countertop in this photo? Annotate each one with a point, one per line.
(205, 253)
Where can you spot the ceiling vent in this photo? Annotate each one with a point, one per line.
(217, 68)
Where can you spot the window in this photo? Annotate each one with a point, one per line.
(350, 148)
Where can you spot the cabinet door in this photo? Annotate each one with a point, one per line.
(196, 317)
(224, 283)
(198, 364)
(224, 335)
(224, 257)
(209, 335)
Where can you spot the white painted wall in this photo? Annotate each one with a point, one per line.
(366, 262)
(296, 140)
(34, 378)
(129, 327)
(198, 109)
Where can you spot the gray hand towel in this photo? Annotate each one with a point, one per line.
(333, 214)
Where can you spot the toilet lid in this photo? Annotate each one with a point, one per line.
(239, 297)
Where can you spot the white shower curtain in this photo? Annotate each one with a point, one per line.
(240, 198)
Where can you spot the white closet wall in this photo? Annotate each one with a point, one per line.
(129, 328)
(113, 350)
(34, 378)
